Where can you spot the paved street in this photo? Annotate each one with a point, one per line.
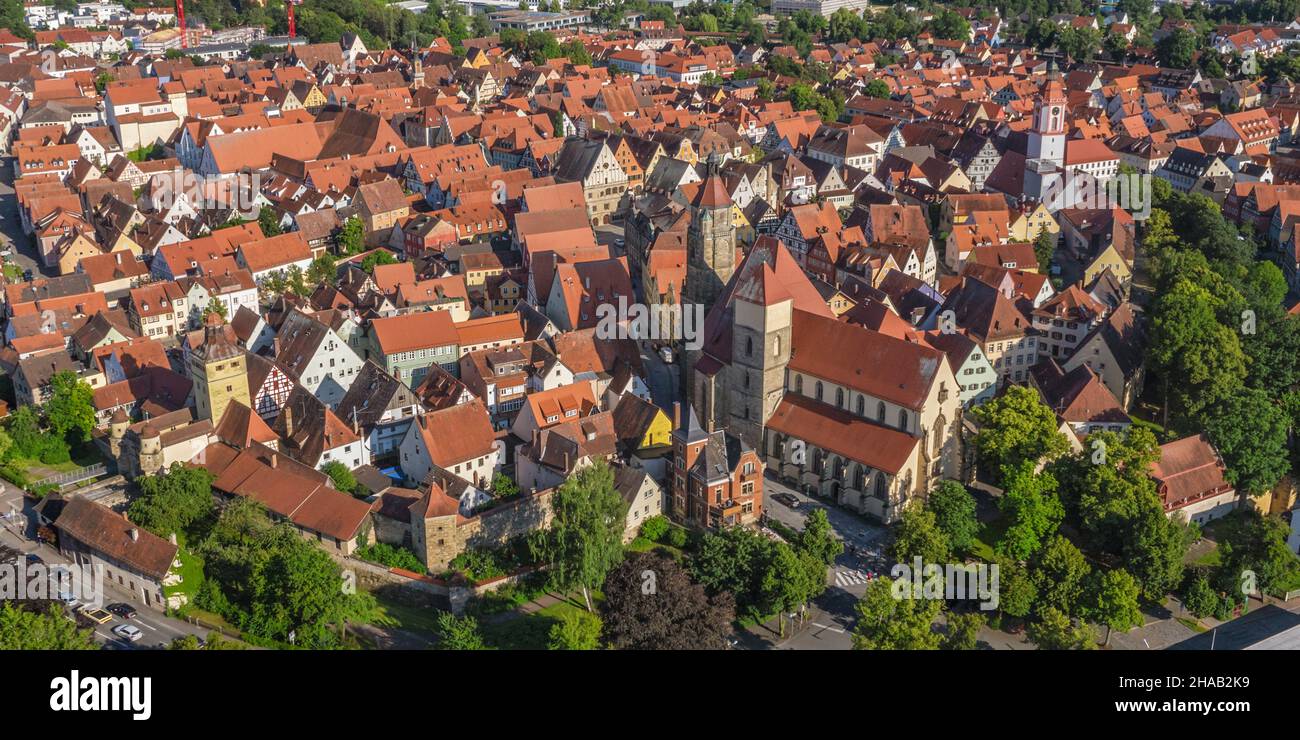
(663, 379)
(159, 631)
(828, 624)
(11, 229)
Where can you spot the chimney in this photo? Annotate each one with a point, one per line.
(134, 534)
(288, 422)
(677, 414)
(275, 459)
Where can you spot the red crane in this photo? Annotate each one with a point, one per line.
(289, 5)
(180, 23)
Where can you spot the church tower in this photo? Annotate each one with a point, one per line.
(1045, 175)
(1047, 137)
(761, 337)
(710, 242)
(417, 71)
(219, 371)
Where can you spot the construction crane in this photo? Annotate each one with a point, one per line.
(289, 6)
(180, 23)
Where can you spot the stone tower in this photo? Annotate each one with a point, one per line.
(710, 242)
(117, 426)
(760, 350)
(219, 371)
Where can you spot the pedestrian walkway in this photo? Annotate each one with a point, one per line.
(845, 577)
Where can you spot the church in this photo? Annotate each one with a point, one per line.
(1061, 172)
(834, 409)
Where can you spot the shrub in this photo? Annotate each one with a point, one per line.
(655, 528)
(393, 557)
(677, 537)
(55, 452)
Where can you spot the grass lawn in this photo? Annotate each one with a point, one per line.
(530, 631)
(404, 616)
(1191, 624)
(191, 572)
(989, 534)
(1211, 558)
(641, 544)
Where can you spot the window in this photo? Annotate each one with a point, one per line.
(839, 398)
(902, 419)
(880, 412)
(862, 406)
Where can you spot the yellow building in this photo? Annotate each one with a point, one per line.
(1025, 225)
(640, 425)
(219, 371)
(1108, 258)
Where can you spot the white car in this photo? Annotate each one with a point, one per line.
(666, 354)
(128, 632)
(68, 599)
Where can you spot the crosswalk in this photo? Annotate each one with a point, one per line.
(845, 578)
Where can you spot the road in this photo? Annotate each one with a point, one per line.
(159, 630)
(664, 380)
(11, 229)
(828, 624)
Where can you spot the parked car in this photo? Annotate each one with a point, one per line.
(788, 499)
(70, 601)
(128, 632)
(666, 354)
(125, 611)
(96, 615)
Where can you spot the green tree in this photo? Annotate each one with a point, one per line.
(1178, 49)
(377, 257)
(817, 539)
(503, 486)
(23, 628)
(70, 409)
(1017, 593)
(173, 501)
(963, 631)
(1056, 631)
(586, 534)
(917, 535)
(1198, 359)
(343, 478)
(1114, 601)
(877, 89)
(1044, 249)
(322, 270)
(575, 631)
(214, 306)
(352, 237)
(1016, 427)
(1060, 575)
(887, 622)
(954, 513)
(458, 633)
(1031, 506)
(1250, 430)
(269, 221)
(1199, 597)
